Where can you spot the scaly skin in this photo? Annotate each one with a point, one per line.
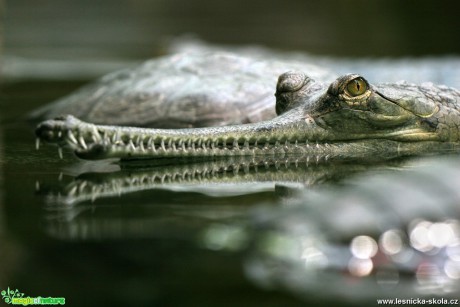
(347, 119)
(183, 90)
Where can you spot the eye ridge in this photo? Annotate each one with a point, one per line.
(356, 87)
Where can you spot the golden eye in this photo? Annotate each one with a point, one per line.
(357, 87)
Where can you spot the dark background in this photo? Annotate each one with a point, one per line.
(140, 28)
(149, 268)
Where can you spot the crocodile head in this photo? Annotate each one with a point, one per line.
(347, 118)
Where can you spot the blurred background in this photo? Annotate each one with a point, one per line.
(140, 28)
(51, 47)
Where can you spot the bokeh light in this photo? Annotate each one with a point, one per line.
(363, 247)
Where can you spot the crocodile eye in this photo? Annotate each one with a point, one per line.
(356, 87)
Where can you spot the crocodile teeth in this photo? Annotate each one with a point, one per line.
(37, 143)
(96, 134)
(286, 164)
(130, 144)
(73, 191)
(149, 143)
(60, 153)
(141, 146)
(83, 185)
(72, 137)
(115, 137)
(82, 142)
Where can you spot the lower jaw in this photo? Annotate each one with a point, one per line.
(129, 153)
(351, 150)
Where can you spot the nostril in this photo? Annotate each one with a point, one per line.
(48, 130)
(44, 131)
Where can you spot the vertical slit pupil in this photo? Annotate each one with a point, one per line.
(356, 87)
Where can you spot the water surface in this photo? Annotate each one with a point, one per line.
(207, 233)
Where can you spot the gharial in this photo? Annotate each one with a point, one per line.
(316, 115)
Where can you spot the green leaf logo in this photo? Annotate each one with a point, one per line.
(9, 294)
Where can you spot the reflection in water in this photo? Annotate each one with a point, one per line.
(10, 252)
(222, 177)
(391, 242)
(75, 212)
(363, 247)
(394, 234)
(225, 237)
(403, 239)
(306, 261)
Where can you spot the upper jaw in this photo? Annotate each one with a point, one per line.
(68, 130)
(282, 134)
(411, 99)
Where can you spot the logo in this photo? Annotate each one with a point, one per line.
(14, 297)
